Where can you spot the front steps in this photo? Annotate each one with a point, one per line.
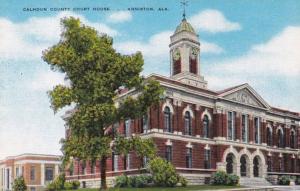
(254, 182)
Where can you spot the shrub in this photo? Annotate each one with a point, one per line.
(232, 180)
(297, 181)
(122, 181)
(183, 181)
(284, 180)
(163, 172)
(57, 184)
(68, 186)
(19, 184)
(75, 184)
(139, 181)
(219, 178)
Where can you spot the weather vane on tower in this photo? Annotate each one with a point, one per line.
(184, 3)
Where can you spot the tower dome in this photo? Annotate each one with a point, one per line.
(184, 26)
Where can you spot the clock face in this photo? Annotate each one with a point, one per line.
(194, 52)
(176, 54)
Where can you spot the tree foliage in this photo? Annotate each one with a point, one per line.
(96, 73)
(19, 184)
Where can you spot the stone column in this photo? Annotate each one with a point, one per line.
(42, 174)
(238, 169)
(56, 171)
(251, 169)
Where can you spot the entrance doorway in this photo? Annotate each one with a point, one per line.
(244, 165)
(256, 165)
(230, 163)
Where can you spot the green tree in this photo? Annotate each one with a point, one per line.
(96, 73)
(19, 184)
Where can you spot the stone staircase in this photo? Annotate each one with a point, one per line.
(254, 182)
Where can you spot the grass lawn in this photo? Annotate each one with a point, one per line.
(200, 187)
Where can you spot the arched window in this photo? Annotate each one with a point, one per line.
(167, 120)
(269, 136)
(280, 138)
(205, 126)
(188, 123)
(293, 139)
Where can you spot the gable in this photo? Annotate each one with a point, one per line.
(245, 95)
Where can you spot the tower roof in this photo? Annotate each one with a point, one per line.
(184, 26)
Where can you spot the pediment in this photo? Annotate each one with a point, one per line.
(245, 95)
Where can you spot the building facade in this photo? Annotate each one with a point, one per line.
(201, 131)
(37, 170)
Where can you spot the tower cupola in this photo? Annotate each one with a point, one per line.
(185, 55)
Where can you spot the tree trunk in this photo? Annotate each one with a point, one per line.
(103, 174)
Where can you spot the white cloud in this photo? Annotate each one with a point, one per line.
(279, 57)
(214, 21)
(120, 16)
(26, 40)
(272, 67)
(158, 46)
(45, 81)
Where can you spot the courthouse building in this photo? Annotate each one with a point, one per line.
(201, 131)
(37, 170)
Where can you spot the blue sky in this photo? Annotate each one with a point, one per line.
(253, 41)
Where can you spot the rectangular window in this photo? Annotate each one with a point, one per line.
(93, 166)
(32, 173)
(17, 172)
(207, 163)
(189, 158)
(256, 130)
(145, 123)
(115, 165)
(128, 161)
(245, 128)
(231, 125)
(49, 173)
(169, 153)
(83, 167)
(269, 161)
(127, 127)
(145, 161)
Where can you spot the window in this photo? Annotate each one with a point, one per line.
(187, 123)
(114, 162)
(167, 120)
(257, 130)
(32, 173)
(128, 161)
(127, 127)
(32, 188)
(169, 153)
(293, 165)
(280, 138)
(269, 163)
(71, 168)
(93, 166)
(281, 167)
(269, 136)
(207, 163)
(49, 174)
(17, 172)
(189, 158)
(293, 139)
(245, 128)
(145, 123)
(205, 126)
(145, 161)
(231, 125)
(83, 166)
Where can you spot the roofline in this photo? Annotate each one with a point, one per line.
(30, 155)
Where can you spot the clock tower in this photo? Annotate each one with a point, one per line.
(185, 55)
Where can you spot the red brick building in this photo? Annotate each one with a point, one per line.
(201, 131)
